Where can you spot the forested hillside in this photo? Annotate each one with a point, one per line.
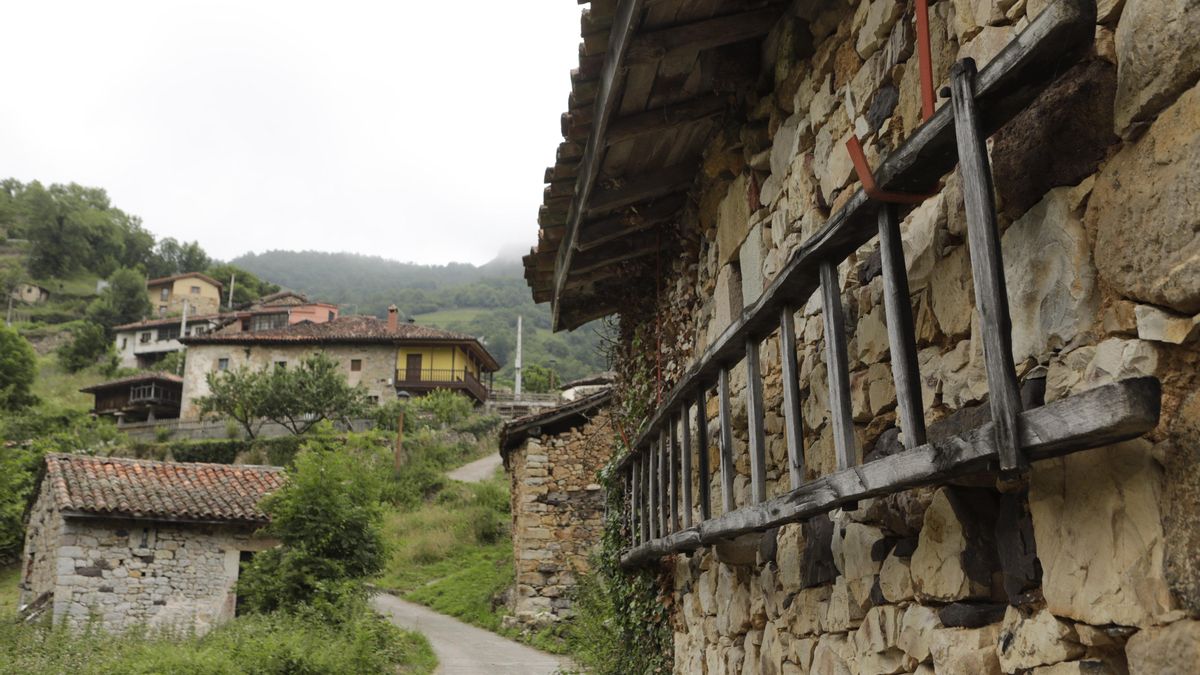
(482, 300)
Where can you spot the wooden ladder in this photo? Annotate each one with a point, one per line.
(658, 474)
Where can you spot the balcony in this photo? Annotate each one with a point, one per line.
(428, 379)
(153, 393)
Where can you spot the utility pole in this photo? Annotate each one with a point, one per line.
(517, 364)
(8, 320)
(232, 279)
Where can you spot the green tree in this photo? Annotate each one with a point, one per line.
(172, 257)
(246, 287)
(88, 343)
(314, 391)
(328, 520)
(18, 368)
(537, 379)
(297, 398)
(237, 395)
(124, 301)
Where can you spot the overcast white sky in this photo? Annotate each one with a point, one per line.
(412, 130)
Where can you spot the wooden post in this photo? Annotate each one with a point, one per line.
(897, 306)
(754, 424)
(839, 372)
(653, 493)
(793, 425)
(644, 496)
(987, 267)
(664, 471)
(686, 470)
(702, 459)
(674, 482)
(726, 441)
(634, 502)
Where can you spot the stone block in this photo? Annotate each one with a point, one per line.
(733, 220)
(1051, 280)
(750, 257)
(1165, 650)
(1036, 638)
(1098, 526)
(879, 17)
(1152, 72)
(895, 579)
(965, 651)
(1145, 205)
(955, 556)
(1161, 326)
(953, 293)
(916, 631)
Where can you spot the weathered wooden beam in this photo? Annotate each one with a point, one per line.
(702, 460)
(686, 468)
(673, 462)
(664, 497)
(837, 368)
(655, 532)
(633, 220)
(640, 188)
(624, 24)
(754, 424)
(793, 424)
(897, 307)
(699, 35)
(635, 501)
(726, 420)
(1060, 34)
(602, 258)
(659, 119)
(1102, 416)
(987, 265)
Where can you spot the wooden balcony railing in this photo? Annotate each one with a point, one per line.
(442, 378)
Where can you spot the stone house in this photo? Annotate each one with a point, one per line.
(384, 356)
(199, 292)
(552, 459)
(142, 344)
(30, 294)
(872, 447)
(126, 542)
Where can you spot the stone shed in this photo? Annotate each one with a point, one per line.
(552, 459)
(125, 542)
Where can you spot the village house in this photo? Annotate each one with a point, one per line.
(30, 294)
(387, 357)
(124, 543)
(200, 293)
(552, 459)
(144, 343)
(907, 297)
(145, 397)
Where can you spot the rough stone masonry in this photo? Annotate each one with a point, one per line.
(1095, 566)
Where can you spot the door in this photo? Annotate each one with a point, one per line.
(412, 368)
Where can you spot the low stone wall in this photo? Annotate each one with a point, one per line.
(558, 513)
(193, 430)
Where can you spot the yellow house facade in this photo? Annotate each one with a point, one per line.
(421, 367)
(168, 295)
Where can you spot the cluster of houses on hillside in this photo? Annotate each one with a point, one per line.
(388, 357)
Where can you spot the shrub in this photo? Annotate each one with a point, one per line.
(215, 451)
(18, 368)
(280, 451)
(446, 407)
(327, 518)
(88, 343)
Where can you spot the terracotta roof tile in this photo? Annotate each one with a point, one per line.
(140, 377)
(133, 488)
(186, 275)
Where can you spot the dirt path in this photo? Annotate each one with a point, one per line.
(479, 470)
(463, 649)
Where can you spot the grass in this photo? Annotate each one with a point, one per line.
(260, 644)
(54, 383)
(9, 576)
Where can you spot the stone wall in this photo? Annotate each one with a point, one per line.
(124, 573)
(1095, 565)
(558, 513)
(378, 366)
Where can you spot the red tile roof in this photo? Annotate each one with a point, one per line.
(134, 488)
(186, 275)
(346, 329)
(134, 379)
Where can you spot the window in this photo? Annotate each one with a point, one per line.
(164, 294)
(168, 333)
(268, 321)
(162, 310)
(195, 290)
(355, 365)
(124, 343)
(373, 399)
(331, 316)
(281, 364)
(223, 364)
(145, 337)
(199, 330)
